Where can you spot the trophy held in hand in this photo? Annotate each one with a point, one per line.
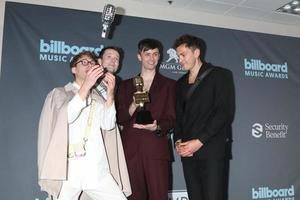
(141, 97)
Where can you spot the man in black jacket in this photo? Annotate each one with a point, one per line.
(204, 112)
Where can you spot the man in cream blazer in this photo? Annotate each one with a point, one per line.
(79, 148)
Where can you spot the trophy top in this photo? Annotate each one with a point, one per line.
(138, 83)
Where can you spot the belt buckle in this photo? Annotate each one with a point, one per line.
(79, 152)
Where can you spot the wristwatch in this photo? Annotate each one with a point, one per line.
(158, 130)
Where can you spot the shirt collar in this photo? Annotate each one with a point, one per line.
(76, 85)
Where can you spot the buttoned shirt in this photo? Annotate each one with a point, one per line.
(88, 170)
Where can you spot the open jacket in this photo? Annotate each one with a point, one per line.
(53, 144)
(162, 107)
(208, 114)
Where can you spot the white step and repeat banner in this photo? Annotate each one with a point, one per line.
(39, 42)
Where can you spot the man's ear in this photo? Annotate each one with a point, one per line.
(99, 60)
(139, 57)
(197, 53)
(73, 70)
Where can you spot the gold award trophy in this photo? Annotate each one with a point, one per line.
(141, 97)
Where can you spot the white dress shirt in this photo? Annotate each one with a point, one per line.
(86, 171)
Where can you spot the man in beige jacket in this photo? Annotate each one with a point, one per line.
(79, 147)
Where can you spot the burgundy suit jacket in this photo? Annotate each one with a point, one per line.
(162, 108)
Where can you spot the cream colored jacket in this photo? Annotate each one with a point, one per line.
(53, 144)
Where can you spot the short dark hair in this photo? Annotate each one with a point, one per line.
(77, 57)
(192, 42)
(149, 43)
(117, 49)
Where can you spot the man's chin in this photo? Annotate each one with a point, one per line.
(111, 70)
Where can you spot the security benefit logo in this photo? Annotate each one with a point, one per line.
(172, 63)
(270, 130)
(268, 193)
(60, 51)
(258, 68)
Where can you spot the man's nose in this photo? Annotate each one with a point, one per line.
(89, 66)
(152, 57)
(180, 60)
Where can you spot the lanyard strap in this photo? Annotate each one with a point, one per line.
(78, 149)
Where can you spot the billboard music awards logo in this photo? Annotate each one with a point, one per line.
(172, 63)
(60, 51)
(270, 131)
(267, 193)
(257, 68)
(178, 195)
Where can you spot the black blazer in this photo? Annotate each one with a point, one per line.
(208, 113)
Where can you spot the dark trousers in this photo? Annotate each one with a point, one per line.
(148, 178)
(205, 178)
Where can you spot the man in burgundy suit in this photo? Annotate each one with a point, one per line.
(146, 145)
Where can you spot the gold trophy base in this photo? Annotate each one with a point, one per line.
(144, 117)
